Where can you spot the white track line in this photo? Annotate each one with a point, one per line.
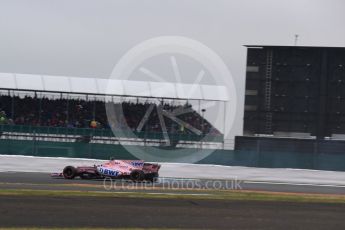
(296, 184)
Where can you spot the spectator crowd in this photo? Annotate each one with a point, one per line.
(79, 113)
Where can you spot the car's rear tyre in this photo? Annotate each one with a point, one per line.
(152, 177)
(69, 172)
(137, 175)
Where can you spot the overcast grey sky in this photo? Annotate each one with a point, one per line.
(88, 37)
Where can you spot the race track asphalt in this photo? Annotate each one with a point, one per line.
(20, 180)
(125, 212)
(28, 211)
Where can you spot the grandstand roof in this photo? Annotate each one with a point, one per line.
(113, 87)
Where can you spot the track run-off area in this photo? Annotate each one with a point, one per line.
(34, 172)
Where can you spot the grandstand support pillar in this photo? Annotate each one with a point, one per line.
(39, 111)
(94, 109)
(162, 123)
(12, 106)
(67, 109)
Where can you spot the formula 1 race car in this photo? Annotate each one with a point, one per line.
(136, 170)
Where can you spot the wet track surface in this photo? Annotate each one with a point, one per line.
(20, 180)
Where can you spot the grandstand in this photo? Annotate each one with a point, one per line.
(294, 100)
(70, 109)
(293, 114)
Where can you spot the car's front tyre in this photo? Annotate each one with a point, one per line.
(69, 172)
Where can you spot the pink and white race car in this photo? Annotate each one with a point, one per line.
(136, 170)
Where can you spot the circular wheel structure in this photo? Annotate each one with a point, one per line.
(152, 177)
(137, 175)
(69, 172)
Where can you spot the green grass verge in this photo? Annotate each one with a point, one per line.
(213, 195)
